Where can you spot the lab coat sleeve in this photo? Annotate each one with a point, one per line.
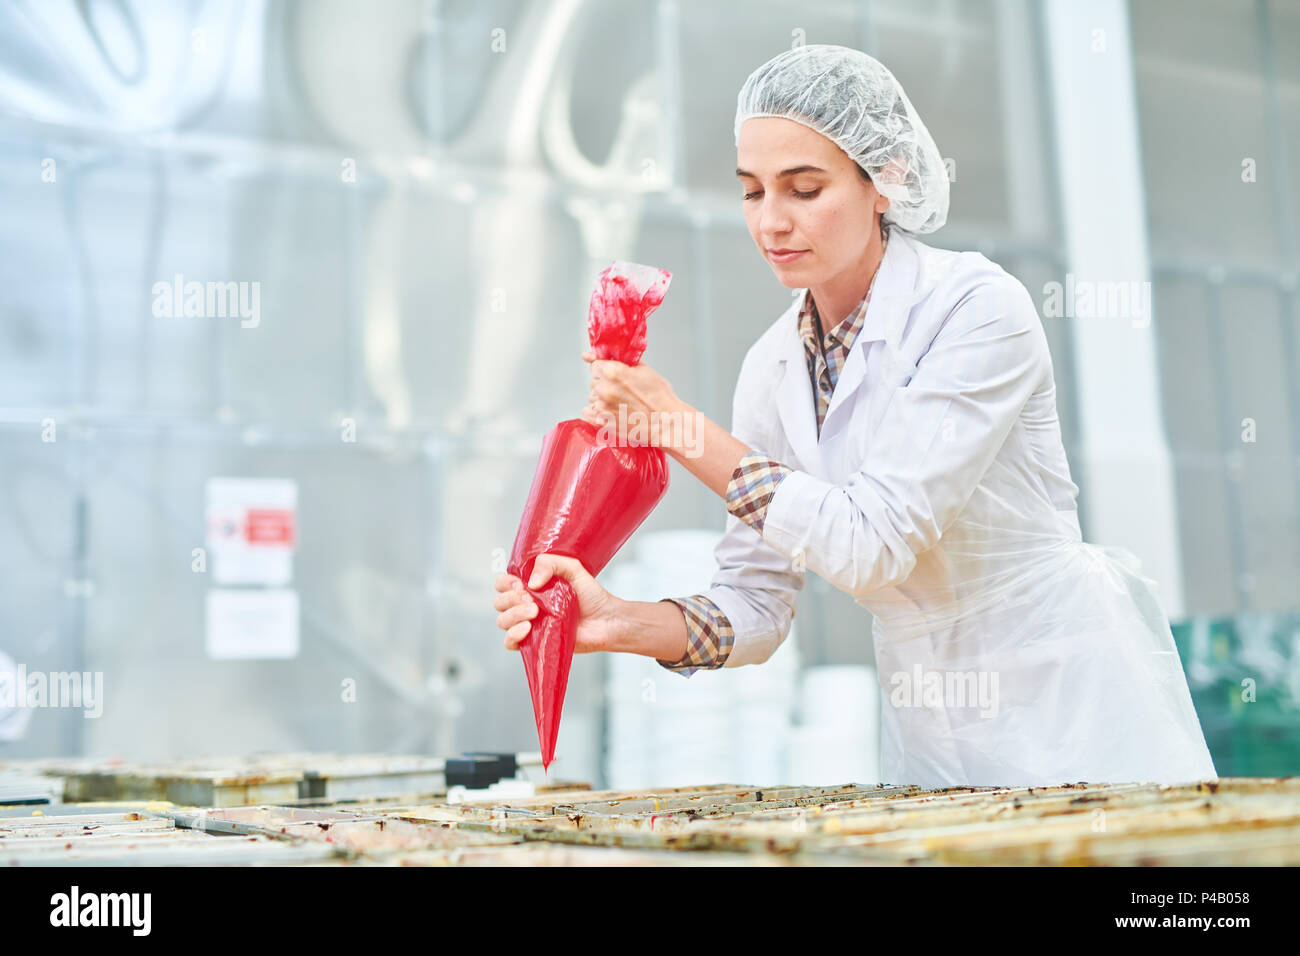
(936, 439)
(755, 586)
(709, 634)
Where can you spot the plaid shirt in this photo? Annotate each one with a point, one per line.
(755, 479)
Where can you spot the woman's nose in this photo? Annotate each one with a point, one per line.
(773, 221)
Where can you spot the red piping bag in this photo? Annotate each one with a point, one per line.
(589, 494)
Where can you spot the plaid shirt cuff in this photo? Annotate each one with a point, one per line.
(752, 486)
(709, 636)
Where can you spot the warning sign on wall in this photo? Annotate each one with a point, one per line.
(252, 530)
(252, 533)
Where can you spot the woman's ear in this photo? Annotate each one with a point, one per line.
(892, 173)
(879, 201)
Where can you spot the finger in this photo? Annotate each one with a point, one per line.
(525, 611)
(515, 616)
(517, 634)
(551, 565)
(542, 571)
(508, 599)
(505, 582)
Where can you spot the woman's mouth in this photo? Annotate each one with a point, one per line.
(785, 255)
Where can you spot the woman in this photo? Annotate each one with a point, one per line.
(895, 431)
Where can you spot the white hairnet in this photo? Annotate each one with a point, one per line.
(852, 100)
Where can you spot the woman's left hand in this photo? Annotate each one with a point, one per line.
(652, 410)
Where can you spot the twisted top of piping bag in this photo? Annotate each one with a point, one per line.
(625, 295)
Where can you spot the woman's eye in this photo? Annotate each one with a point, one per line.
(808, 195)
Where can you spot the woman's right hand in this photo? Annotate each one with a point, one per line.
(600, 614)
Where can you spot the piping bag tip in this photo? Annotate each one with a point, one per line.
(547, 655)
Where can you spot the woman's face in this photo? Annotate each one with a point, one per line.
(801, 192)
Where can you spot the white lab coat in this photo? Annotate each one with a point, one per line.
(938, 495)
